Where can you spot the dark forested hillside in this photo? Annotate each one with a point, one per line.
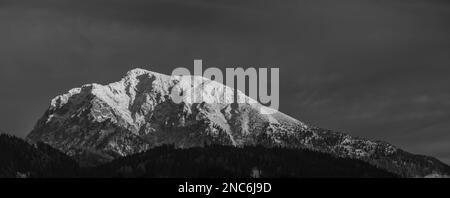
(18, 158)
(226, 162)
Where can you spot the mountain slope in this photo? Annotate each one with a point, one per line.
(98, 123)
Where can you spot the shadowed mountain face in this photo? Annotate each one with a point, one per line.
(99, 123)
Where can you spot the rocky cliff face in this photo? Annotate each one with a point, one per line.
(97, 123)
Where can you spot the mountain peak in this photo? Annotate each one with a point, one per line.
(136, 72)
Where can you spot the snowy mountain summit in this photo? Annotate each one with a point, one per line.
(97, 123)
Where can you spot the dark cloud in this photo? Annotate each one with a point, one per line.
(376, 69)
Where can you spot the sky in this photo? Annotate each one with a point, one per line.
(371, 68)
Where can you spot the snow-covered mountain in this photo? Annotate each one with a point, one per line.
(97, 123)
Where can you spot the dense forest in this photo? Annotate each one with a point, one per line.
(231, 162)
(22, 159)
(19, 158)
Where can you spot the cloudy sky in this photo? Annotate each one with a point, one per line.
(372, 68)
